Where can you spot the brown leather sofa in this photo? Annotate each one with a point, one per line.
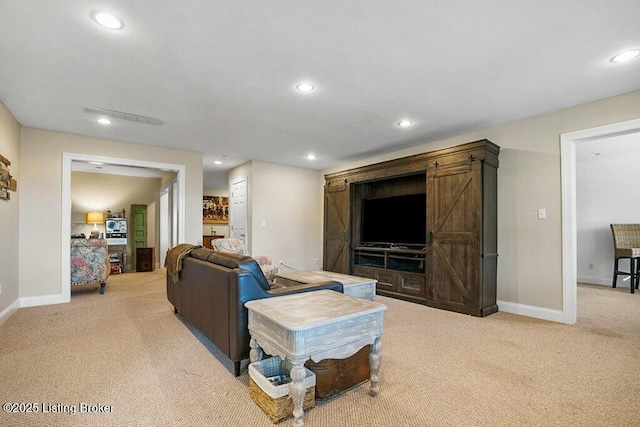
(211, 291)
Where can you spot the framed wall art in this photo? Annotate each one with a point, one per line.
(6, 181)
(215, 210)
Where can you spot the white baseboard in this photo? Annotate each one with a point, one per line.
(42, 300)
(7, 312)
(594, 280)
(531, 311)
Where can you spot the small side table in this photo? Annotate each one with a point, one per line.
(361, 287)
(315, 325)
(207, 241)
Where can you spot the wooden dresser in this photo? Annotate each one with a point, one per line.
(207, 240)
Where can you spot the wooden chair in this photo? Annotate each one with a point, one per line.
(626, 243)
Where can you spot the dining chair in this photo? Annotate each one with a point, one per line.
(626, 243)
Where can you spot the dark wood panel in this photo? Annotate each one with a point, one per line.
(145, 259)
(336, 257)
(460, 259)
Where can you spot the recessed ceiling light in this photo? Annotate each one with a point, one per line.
(405, 123)
(625, 56)
(217, 162)
(311, 156)
(305, 87)
(104, 121)
(107, 20)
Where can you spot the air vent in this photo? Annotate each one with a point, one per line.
(124, 116)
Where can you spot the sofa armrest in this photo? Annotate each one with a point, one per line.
(287, 290)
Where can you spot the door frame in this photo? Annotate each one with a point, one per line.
(568, 142)
(65, 226)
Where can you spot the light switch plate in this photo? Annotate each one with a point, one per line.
(542, 213)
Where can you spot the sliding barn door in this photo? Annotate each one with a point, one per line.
(336, 255)
(454, 214)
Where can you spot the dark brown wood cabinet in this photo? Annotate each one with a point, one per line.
(144, 259)
(456, 267)
(207, 241)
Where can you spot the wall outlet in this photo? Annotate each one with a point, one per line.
(315, 261)
(590, 266)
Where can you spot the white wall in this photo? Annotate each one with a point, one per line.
(220, 229)
(530, 261)
(9, 215)
(287, 208)
(288, 201)
(606, 193)
(41, 153)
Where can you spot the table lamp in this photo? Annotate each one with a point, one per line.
(95, 218)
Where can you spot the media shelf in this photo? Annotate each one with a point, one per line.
(400, 272)
(411, 260)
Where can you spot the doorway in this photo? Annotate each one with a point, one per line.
(568, 142)
(65, 226)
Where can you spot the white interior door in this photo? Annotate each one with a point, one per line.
(239, 209)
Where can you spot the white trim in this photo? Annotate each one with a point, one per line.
(530, 311)
(42, 300)
(595, 281)
(65, 228)
(604, 283)
(7, 312)
(568, 142)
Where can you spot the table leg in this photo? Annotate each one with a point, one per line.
(374, 366)
(297, 391)
(256, 352)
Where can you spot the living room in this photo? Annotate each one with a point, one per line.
(289, 199)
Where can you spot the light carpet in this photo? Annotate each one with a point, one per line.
(128, 350)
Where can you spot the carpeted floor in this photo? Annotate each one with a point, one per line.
(126, 349)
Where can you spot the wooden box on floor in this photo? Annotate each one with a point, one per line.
(335, 376)
(274, 400)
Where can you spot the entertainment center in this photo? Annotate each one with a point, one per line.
(423, 226)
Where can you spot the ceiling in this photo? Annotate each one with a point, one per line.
(221, 75)
(608, 148)
(117, 169)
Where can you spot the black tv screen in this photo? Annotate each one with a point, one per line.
(398, 220)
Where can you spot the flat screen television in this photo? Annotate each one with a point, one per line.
(401, 220)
